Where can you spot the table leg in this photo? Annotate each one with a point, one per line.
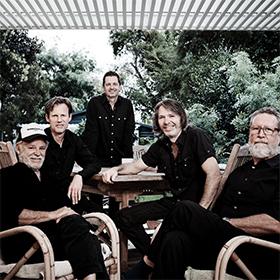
(123, 238)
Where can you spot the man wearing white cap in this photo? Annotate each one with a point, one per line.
(27, 198)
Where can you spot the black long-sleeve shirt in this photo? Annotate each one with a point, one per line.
(59, 161)
(109, 133)
(251, 190)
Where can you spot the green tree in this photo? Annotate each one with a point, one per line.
(192, 68)
(71, 75)
(253, 90)
(23, 87)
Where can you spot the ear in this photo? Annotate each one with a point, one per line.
(17, 149)
(47, 118)
(70, 117)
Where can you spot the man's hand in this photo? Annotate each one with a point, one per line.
(63, 212)
(110, 175)
(75, 189)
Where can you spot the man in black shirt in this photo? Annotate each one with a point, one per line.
(66, 148)
(187, 157)
(29, 196)
(109, 128)
(248, 205)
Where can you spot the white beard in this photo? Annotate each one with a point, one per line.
(262, 151)
(35, 167)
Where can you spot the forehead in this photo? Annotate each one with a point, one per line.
(37, 142)
(111, 79)
(60, 108)
(164, 111)
(265, 120)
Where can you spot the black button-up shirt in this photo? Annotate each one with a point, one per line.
(251, 190)
(109, 133)
(185, 175)
(59, 161)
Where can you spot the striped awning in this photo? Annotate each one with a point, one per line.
(141, 14)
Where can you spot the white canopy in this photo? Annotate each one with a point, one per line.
(141, 14)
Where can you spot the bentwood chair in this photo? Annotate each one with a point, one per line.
(105, 229)
(238, 156)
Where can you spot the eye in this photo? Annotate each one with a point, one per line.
(268, 129)
(256, 128)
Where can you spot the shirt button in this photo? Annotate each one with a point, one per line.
(112, 149)
(185, 165)
(246, 179)
(112, 124)
(180, 189)
(112, 133)
(106, 118)
(99, 117)
(119, 119)
(112, 141)
(239, 192)
(235, 207)
(177, 177)
(253, 167)
(111, 156)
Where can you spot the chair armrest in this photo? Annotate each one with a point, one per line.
(228, 252)
(42, 241)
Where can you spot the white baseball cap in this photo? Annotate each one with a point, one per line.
(31, 131)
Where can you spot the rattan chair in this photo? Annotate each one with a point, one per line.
(105, 229)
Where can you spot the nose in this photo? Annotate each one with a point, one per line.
(166, 119)
(261, 133)
(37, 152)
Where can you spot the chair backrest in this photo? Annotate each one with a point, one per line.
(238, 156)
(7, 154)
(138, 151)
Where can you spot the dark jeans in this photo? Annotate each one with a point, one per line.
(130, 220)
(193, 236)
(71, 239)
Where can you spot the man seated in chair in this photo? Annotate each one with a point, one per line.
(187, 157)
(30, 197)
(249, 205)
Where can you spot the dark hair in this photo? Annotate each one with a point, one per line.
(56, 101)
(266, 110)
(111, 74)
(175, 107)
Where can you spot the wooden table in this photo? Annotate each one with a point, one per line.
(125, 189)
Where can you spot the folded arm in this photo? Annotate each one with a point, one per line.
(127, 168)
(30, 217)
(257, 225)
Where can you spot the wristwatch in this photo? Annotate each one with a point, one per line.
(227, 219)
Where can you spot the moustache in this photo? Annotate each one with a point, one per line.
(260, 141)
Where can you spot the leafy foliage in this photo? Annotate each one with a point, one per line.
(23, 87)
(70, 75)
(207, 72)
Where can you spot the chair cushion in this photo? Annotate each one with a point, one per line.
(36, 271)
(196, 274)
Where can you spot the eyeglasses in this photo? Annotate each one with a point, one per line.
(266, 130)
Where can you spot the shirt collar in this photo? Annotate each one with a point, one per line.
(106, 101)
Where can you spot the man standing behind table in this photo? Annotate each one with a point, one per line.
(248, 205)
(66, 148)
(186, 156)
(109, 128)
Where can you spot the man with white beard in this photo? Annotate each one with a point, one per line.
(28, 198)
(249, 205)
